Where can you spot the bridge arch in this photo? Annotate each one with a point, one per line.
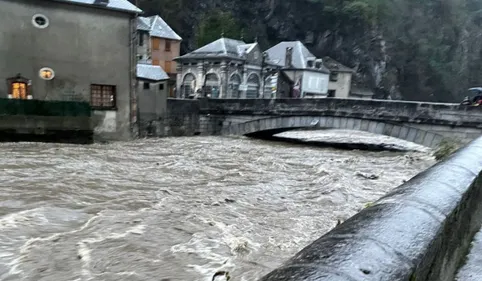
(274, 125)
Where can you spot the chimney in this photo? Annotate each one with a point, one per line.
(311, 62)
(101, 2)
(318, 63)
(289, 57)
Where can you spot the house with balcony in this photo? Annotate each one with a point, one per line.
(68, 68)
(158, 44)
(225, 68)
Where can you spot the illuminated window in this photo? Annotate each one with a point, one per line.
(103, 96)
(19, 88)
(46, 73)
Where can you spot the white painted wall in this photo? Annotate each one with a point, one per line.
(315, 83)
(342, 85)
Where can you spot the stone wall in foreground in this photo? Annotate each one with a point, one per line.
(420, 231)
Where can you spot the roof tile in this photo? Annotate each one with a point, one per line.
(120, 5)
(151, 72)
(301, 54)
(157, 27)
(223, 47)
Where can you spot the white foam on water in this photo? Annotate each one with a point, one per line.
(85, 251)
(24, 249)
(206, 249)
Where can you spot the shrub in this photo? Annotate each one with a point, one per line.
(446, 148)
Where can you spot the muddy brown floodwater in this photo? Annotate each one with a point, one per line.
(178, 208)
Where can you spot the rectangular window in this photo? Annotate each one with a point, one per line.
(141, 39)
(102, 96)
(334, 76)
(156, 42)
(168, 45)
(19, 90)
(331, 93)
(161, 87)
(147, 86)
(155, 62)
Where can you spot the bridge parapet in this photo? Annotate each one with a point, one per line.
(386, 110)
(420, 231)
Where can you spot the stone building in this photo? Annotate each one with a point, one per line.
(152, 89)
(72, 50)
(158, 44)
(300, 70)
(340, 78)
(225, 68)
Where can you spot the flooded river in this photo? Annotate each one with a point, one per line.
(178, 208)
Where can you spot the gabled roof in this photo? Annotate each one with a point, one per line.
(157, 27)
(334, 65)
(222, 48)
(118, 5)
(301, 54)
(151, 72)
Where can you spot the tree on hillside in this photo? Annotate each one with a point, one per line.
(216, 24)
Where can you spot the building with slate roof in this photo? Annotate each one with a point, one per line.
(152, 89)
(73, 50)
(340, 78)
(305, 73)
(225, 68)
(158, 44)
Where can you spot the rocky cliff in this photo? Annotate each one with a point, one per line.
(402, 49)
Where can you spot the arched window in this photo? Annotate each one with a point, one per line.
(233, 86)
(188, 86)
(211, 84)
(19, 88)
(253, 87)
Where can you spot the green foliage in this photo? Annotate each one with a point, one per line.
(445, 149)
(368, 205)
(216, 24)
(362, 11)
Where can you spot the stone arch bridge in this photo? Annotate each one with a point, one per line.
(419, 122)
